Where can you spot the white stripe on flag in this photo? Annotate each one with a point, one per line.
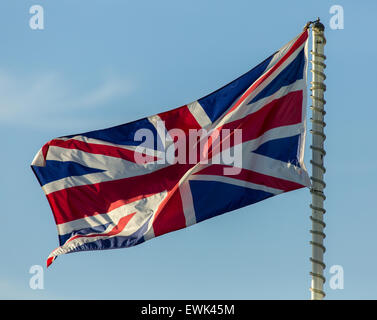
(199, 114)
(237, 182)
(187, 203)
(115, 168)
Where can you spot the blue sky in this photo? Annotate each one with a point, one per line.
(102, 63)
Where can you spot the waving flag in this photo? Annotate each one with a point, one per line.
(116, 187)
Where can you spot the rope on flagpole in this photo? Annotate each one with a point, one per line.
(318, 152)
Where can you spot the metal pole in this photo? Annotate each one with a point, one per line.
(318, 170)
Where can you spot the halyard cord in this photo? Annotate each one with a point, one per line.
(319, 193)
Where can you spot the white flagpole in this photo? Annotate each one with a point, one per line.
(318, 170)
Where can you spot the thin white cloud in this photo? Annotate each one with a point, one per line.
(110, 88)
(47, 99)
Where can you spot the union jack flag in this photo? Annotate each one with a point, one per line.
(102, 198)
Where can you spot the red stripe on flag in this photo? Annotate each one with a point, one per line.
(99, 149)
(49, 261)
(45, 150)
(284, 111)
(180, 118)
(170, 216)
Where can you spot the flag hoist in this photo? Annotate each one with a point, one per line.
(318, 170)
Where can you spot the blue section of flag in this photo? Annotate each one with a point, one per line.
(55, 170)
(123, 134)
(212, 198)
(283, 149)
(216, 103)
(97, 229)
(117, 241)
(293, 72)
